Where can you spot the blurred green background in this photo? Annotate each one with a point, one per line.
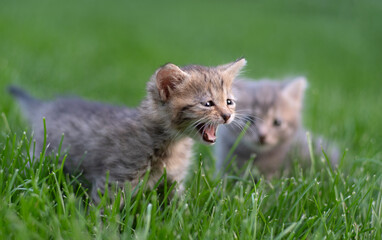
(107, 50)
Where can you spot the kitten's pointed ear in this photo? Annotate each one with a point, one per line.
(168, 78)
(295, 89)
(233, 69)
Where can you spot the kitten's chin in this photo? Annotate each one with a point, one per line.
(263, 147)
(207, 143)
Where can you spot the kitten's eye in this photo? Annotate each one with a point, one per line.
(229, 102)
(208, 104)
(277, 122)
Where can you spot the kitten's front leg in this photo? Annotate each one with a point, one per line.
(98, 185)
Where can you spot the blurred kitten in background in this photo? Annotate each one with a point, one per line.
(275, 135)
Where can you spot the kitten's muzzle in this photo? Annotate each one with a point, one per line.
(262, 139)
(226, 117)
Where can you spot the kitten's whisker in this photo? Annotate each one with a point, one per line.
(243, 120)
(190, 129)
(238, 125)
(193, 125)
(244, 112)
(241, 126)
(251, 116)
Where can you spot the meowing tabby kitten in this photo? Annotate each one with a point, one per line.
(275, 135)
(182, 104)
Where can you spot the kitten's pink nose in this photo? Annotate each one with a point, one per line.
(262, 139)
(226, 117)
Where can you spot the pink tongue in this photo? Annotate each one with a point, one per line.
(209, 133)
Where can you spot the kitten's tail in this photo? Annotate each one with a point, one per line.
(28, 104)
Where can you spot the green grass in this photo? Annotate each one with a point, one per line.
(107, 51)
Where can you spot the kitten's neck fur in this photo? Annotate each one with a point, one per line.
(157, 123)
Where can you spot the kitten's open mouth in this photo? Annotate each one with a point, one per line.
(207, 131)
